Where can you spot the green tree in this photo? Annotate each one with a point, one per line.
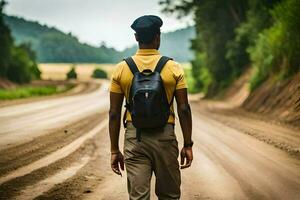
(17, 63)
(215, 23)
(19, 69)
(34, 70)
(258, 18)
(99, 73)
(6, 43)
(72, 73)
(233, 34)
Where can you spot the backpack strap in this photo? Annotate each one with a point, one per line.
(131, 64)
(161, 63)
(133, 68)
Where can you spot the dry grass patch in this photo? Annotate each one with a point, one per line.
(58, 71)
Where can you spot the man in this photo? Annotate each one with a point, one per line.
(155, 150)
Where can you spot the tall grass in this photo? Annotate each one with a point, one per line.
(25, 92)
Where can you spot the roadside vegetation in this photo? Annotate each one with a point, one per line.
(189, 79)
(17, 62)
(29, 91)
(18, 65)
(72, 74)
(232, 36)
(99, 73)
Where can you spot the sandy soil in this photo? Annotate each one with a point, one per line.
(279, 100)
(40, 160)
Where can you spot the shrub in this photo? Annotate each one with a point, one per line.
(35, 72)
(19, 69)
(99, 73)
(72, 73)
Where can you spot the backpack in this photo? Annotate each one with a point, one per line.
(147, 102)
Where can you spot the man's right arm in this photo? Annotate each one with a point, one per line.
(116, 101)
(185, 119)
(117, 160)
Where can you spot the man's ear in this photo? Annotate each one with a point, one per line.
(136, 37)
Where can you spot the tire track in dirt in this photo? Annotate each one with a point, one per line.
(15, 157)
(89, 177)
(33, 191)
(60, 162)
(55, 156)
(50, 156)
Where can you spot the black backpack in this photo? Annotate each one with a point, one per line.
(147, 102)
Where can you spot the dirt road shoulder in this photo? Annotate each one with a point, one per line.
(282, 136)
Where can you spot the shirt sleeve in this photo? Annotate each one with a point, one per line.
(115, 85)
(180, 78)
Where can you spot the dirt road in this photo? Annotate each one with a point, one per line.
(22, 123)
(59, 149)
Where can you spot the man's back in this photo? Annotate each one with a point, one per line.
(172, 75)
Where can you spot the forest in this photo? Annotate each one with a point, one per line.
(233, 36)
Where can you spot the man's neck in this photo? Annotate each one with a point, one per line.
(147, 46)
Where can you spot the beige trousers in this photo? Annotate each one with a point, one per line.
(156, 152)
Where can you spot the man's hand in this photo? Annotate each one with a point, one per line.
(116, 160)
(186, 156)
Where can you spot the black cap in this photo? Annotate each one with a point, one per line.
(147, 23)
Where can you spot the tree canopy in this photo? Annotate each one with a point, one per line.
(232, 35)
(17, 62)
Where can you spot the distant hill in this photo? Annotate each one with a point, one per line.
(177, 44)
(54, 46)
(174, 44)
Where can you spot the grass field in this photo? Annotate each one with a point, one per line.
(58, 71)
(25, 92)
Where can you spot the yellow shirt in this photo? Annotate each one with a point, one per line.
(172, 75)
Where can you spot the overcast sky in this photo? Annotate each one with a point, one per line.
(94, 21)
